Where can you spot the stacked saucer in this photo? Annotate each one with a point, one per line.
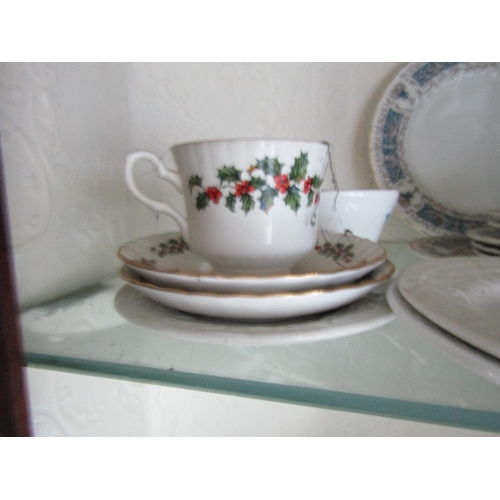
(341, 269)
(485, 240)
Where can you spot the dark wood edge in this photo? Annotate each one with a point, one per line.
(14, 418)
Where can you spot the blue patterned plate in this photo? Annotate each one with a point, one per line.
(435, 140)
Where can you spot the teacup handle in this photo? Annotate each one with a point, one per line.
(168, 175)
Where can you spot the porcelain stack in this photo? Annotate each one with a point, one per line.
(339, 270)
(249, 249)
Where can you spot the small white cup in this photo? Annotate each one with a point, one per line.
(364, 212)
(251, 204)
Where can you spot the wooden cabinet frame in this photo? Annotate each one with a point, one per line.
(14, 420)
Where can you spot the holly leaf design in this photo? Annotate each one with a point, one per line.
(338, 252)
(299, 168)
(202, 201)
(172, 247)
(194, 180)
(316, 182)
(267, 198)
(257, 182)
(270, 166)
(292, 198)
(229, 174)
(310, 197)
(313, 192)
(230, 201)
(248, 203)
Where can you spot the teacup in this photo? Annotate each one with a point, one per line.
(363, 212)
(251, 204)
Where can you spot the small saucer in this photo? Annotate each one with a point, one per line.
(165, 259)
(484, 249)
(494, 219)
(260, 306)
(487, 235)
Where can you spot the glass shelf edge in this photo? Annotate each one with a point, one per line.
(480, 420)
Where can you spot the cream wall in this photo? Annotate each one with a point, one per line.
(65, 129)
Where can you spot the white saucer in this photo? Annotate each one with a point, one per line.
(477, 361)
(263, 306)
(484, 249)
(486, 235)
(165, 259)
(459, 294)
(494, 218)
(367, 313)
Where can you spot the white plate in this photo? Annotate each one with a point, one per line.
(435, 140)
(477, 361)
(165, 259)
(459, 294)
(261, 307)
(367, 313)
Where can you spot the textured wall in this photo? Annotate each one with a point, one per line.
(64, 131)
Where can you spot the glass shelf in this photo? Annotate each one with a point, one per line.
(388, 370)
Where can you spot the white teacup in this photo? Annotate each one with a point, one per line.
(364, 212)
(250, 204)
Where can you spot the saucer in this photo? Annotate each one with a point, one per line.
(260, 306)
(165, 259)
(486, 235)
(484, 249)
(367, 313)
(494, 219)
